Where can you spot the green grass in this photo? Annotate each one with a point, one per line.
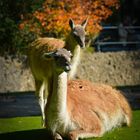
(125, 133)
(19, 124)
(28, 128)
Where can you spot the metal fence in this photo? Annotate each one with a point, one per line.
(110, 40)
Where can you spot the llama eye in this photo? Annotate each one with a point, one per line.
(76, 36)
(75, 33)
(57, 58)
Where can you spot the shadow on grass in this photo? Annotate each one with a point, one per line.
(123, 133)
(18, 104)
(36, 134)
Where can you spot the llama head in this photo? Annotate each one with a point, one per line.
(62, 58)
(78, 32)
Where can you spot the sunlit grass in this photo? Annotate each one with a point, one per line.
(24, 128)
(125, 133)
(19, 124)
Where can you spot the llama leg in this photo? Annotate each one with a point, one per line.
(40, 92)
(76, 134)
(37, 87)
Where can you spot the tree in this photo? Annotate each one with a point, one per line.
(52, 18)
(13, 40)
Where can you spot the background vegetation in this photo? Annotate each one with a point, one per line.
(13, 40)
(21, 21)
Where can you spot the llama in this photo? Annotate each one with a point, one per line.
(42, 70)
(80, 109)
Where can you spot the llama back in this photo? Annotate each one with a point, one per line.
(46, 44)
(37, 48)
(97, 107)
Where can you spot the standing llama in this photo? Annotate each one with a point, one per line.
(42, 70)
(80, 109)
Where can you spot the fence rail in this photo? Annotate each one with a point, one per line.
(116, 27)
(117, 43)
(101, 42)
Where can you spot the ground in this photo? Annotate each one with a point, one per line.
(112, 68)
(20, 119)
(24, 128)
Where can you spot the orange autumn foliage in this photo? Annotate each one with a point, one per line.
(54, 15)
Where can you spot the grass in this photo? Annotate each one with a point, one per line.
(19, 124)
(28, 128)
(125, 133)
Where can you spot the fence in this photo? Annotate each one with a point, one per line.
(117, 38)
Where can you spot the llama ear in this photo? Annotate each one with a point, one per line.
(71, 23)
(84, 23)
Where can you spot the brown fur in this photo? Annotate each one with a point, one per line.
(85, 101)
(47, 44)
(35, 53)
(43, 70)
(81, 109)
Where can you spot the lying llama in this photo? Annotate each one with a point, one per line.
(80, 109)
(42, 70)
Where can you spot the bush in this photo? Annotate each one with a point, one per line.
(52, 18)
(24, 20)
(13, 40)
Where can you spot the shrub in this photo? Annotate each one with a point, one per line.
(52, 18)
(13, 40)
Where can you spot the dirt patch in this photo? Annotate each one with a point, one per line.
(15, 74)
(113, 68)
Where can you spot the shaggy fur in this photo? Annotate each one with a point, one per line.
(81, 109)
(42, 69)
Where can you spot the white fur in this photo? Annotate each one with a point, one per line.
(42, 70)
(43, 100)
(58, 119)
(74, 62)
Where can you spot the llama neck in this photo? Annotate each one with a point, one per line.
(73, 46)
(71, 43)
(58, 99)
